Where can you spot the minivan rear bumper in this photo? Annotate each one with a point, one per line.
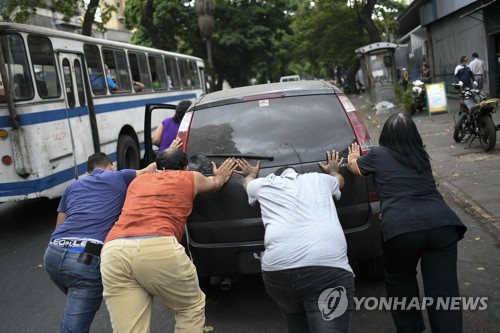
(235, 258)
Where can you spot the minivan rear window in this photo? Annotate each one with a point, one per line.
(291, 130)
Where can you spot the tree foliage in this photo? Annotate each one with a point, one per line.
(21, 11)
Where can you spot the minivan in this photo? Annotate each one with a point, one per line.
(290, 123)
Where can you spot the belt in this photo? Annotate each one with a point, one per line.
(79, 245)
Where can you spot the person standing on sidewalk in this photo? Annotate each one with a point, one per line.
(417, 225)
(464, 74)
(305, 265)
(478, 69)
(87, 210)
(142, 256)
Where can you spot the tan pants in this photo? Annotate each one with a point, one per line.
(135, 270)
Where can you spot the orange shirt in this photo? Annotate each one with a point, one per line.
(157, 204)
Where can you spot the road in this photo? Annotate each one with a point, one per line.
(31, 303)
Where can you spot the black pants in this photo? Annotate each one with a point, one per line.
(437, 251)
(313, 299)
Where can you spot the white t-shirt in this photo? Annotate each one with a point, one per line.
(477, 66)
(301, 221)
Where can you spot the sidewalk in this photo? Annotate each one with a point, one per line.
(468, 175)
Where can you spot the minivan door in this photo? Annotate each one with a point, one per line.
(153, 116)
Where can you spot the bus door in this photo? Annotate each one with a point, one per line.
(77, 110)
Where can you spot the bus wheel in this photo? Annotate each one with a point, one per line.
(128, 153)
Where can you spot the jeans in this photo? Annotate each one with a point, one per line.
(308, 297)
(437, 251)
(80, 283)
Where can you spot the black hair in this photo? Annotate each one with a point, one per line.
(282, 169)
(98, 160)
(180, 110)
(475, 55)
(400, 135)
(171, 159)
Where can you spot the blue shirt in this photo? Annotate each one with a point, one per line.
(409, 201)
(92, 204)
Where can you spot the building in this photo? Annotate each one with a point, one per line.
(440, 32)
(116, 31)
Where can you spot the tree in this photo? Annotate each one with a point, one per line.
(21, 11)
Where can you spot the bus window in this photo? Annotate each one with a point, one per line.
(158, 72)
(79, 82)
(194, 74)
(68, 82)
(173, 72)
(184, 72)
(42, 59)
(95, 71)
(139, 69)
(17, 66)
(118, 70)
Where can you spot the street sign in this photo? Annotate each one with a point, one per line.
(436, 98)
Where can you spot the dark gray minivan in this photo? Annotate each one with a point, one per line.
(290, 123)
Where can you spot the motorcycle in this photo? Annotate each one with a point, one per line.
(474, 118)
(418, 97)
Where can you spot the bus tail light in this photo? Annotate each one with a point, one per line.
(183, 132)
(6, 160)
(3, 134)
(364, 140)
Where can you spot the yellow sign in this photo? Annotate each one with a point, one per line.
(436, 98)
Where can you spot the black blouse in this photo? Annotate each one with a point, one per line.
(409, 201)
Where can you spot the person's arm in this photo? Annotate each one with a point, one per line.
(332, 167)
(138, 84)
(248, 171)
(214, 183)
(60, 218)
(150, 168)
(352, 165)
(156, 138)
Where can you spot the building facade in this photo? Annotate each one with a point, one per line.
(447, 30)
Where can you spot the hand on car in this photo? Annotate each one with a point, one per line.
(177, 143)
(246, 169)
(226, 169)
(354, 153)
(333, 162)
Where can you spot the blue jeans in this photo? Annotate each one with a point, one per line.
(81, 283)
(300, 293)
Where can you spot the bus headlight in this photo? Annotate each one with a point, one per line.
(3, 134)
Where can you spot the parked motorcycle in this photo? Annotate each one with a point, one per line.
(474, 118)
(418, 96)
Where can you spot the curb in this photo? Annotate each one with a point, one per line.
(487, 219)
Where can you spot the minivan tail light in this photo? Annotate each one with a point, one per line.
(364, 139)
(183, 131)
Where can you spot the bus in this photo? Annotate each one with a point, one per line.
(64, 96)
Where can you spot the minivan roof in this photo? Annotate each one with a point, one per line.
(285, 88)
